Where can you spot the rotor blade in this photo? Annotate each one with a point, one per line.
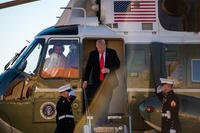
(14, 3)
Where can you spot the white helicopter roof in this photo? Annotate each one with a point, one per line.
(80, 31)
(98, 31)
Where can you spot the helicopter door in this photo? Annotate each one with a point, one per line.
(111, 97)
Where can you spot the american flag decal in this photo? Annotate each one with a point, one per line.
(135, 11)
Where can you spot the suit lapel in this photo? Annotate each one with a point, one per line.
(97, 56)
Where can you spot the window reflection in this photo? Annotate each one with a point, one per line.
(175, 71)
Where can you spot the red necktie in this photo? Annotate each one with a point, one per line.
(101, 67)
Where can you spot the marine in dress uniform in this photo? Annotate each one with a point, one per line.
(170, 107)
(64, 118)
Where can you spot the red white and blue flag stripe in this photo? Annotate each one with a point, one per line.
(135, 11)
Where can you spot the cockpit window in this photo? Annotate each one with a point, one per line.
(32, 60)
(28, 60)
(62, 59)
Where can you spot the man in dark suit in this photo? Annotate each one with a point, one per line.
(101, 61)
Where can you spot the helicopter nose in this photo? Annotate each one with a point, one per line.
(148, 107)
(145, 110)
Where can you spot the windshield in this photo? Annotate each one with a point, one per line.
(25, 53)
(62, 59)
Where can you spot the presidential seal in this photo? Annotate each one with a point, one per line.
(48, 110)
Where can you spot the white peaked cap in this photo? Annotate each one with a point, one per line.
(64, 88)
(166, 81)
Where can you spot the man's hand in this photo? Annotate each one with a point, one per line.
(172, 131)
(84, 84)
(105, 70)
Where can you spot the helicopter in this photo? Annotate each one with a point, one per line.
(14, 3)
(153, 39)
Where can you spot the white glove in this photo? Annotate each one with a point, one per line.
(159, 89)
(172, 131)
(72, 93)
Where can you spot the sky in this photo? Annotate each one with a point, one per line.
(23, 22)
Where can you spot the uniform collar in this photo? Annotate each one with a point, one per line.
(170, 92)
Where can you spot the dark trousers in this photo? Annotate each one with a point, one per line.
(88, 95)
(65, 125)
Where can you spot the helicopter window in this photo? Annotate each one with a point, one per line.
(31, 62)
(182, 65)
(174, 64)
(195, 70)
(62, 59)
(175, 71)
(137, 57)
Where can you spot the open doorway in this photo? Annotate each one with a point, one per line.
(111, 97)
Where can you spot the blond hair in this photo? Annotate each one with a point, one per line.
(100, 42)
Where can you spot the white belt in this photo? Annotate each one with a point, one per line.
(65, 116)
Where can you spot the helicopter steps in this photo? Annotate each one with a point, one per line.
(6, 128)
(107, 128)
